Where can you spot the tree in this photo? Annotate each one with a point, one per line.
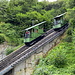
(70, 3)
(3, 9)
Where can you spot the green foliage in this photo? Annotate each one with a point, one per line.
(73, 36)
(26, 19)
(71, 17)
(59, 61)
(44, 70)
(12, 48)
(9, 50)
(68, 39)
(10, 35)
(69, 31)
(7, 39)
(1, 39)
(70, 3)
(55, 5)
(3, 9)
(72, 22)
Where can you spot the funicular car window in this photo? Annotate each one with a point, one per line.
(27, 34)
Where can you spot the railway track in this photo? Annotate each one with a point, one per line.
(24, 52)
(5, 61)
(18, 54)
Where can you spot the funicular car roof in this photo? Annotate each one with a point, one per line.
(59, 16)
(35, 25)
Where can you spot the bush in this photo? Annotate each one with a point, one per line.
(16, 41)
(1, 39)
(9, 50)
(68, 39)
(60, 61)
(44, 70)
(69, 32)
